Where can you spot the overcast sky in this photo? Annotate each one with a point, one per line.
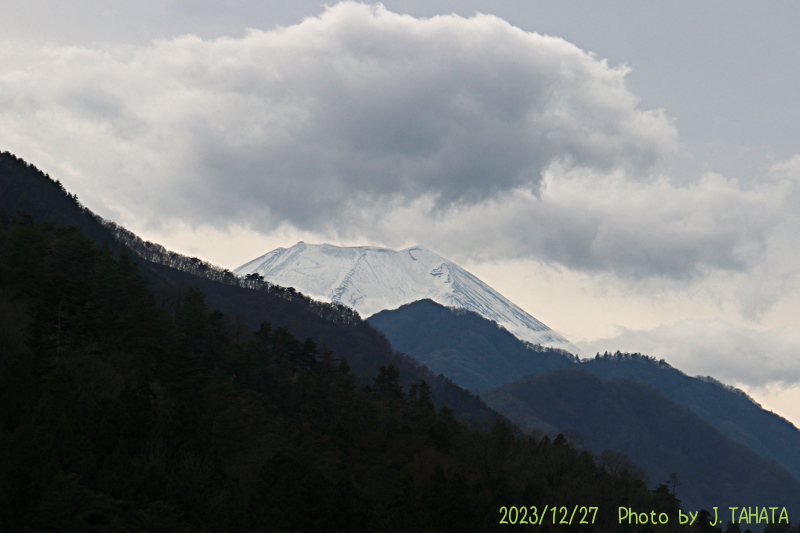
(627, 172)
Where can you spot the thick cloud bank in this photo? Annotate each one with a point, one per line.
(357, 101)
(363, 123)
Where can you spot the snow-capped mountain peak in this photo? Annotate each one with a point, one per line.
(371, 279)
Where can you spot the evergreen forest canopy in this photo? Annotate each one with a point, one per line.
(127, 403)
(725, 446)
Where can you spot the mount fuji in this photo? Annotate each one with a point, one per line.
(371, 279)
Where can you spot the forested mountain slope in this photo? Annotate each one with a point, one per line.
(728, 409)
(654, 432)
(364, 348)
(24, 187)
(475, 351)
(127, 406)
(249, 303)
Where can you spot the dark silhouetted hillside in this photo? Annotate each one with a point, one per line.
(729, 410)
(127, 406)
(24, 187)
(473, 351)
(656, 433)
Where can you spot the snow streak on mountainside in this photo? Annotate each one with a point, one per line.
(371, 279)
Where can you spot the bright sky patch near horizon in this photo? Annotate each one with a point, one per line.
(628, 173)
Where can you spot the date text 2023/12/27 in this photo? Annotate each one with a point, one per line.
(548, 515)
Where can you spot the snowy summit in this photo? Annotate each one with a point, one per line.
(371, 279)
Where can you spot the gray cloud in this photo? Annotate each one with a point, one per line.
(730, 353)
(287, 125)
(607, 223)
(459, 133)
